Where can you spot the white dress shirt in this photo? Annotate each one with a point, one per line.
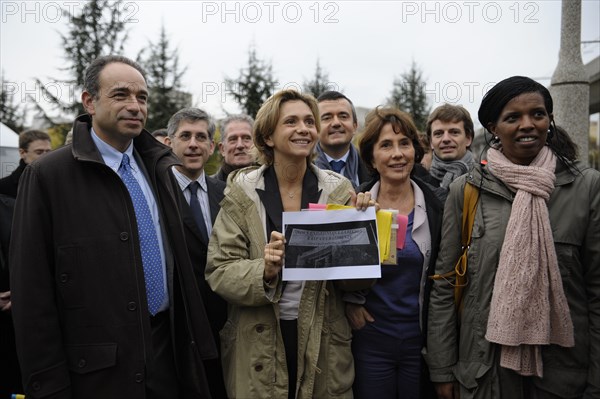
(202, 195)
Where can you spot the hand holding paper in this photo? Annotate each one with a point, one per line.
(362, 201)
(274, 255)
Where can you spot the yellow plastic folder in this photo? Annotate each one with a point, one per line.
(384, 232)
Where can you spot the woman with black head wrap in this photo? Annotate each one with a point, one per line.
(530, 325)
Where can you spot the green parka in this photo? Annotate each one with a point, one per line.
(466, 356)
(253, 354)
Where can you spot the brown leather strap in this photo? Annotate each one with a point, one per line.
(460, 269)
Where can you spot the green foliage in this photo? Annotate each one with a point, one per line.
(98, 30)
(12, 114)
(58, 134)
(214, 161)
(164, 82)
(408, 94)
(254, 85)
(319, 83)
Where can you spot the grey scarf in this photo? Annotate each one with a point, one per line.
(447, 171)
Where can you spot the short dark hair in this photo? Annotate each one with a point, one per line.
(401, 123)
(332, 95)
(160, 133)
(190, 115)
(29, 136)
(91, 80)
(451, 113)
(425, 143)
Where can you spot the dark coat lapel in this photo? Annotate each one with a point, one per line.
(272, 200)
(215, 196)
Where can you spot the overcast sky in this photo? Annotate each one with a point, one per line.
(463, 47)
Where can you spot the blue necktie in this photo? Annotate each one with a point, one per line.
(149, 246)
(197, 210)
(337, 166)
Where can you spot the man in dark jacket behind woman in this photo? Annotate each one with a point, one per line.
(450, 132)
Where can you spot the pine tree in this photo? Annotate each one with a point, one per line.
(254, 85)
(409, 95)
(319, 83)
(164, 82)
(98, 30)
(12, 114)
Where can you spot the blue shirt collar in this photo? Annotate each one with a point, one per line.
(111, 156)
(344, 158)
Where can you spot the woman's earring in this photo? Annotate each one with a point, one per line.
(550, 133)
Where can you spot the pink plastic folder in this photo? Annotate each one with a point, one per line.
(402, 221)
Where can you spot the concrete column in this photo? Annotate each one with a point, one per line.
(570, 87)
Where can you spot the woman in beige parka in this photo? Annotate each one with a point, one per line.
(282, 339)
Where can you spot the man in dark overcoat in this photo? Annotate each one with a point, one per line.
(95, 315)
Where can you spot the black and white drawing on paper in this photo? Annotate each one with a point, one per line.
(329, 245)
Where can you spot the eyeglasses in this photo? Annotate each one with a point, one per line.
(187, 136)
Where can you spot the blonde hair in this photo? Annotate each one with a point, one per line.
(268, 116)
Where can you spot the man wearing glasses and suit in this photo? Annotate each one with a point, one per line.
(191, 136)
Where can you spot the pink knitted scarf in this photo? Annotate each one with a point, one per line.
(529, 307)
